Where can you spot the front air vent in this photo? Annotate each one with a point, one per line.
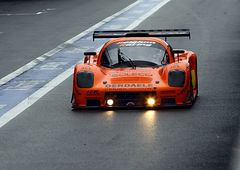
(93, 103)
(168, 102)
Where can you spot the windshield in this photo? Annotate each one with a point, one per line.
(134, 54)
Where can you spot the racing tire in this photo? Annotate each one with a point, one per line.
(192, 96)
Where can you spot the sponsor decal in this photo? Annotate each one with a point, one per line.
(136, 44)
(24, 84)
(175, 66)
(93, 93)
(126, 74)
(134, 85)
(85, 68)
(52, 66)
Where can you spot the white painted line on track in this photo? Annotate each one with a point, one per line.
(41, 12)
(44, 11)
(5, 118)
(51, 9)
(24, 14)
(17, 14)
(148, 14)
(2, 106)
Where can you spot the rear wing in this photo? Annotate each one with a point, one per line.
(143, 33)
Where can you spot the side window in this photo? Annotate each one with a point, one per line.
(171, 50)
(165, 59)
(104, 60)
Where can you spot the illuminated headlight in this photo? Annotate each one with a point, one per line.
(151, 101)
(110, 102)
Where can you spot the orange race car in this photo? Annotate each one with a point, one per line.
(136, 69)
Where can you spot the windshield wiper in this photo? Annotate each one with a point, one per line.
(122, 57)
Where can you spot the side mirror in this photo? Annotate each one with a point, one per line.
(86, 59)
(178, 51)
(87, 56)
(89, 53)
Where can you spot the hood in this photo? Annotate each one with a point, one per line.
(129, 78)
(127, 75)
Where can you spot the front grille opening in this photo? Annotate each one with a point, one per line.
(93, 102)
(129, 98)
(168, 101)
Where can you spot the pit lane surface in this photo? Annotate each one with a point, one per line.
(49, 135)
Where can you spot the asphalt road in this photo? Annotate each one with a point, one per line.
(48, 135)
(24, 35)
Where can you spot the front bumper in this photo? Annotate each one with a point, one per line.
(129, 100)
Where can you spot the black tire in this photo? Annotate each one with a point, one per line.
(191, 95)
(196, 80)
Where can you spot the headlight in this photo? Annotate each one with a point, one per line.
(110, 102)
(176, 78)
(151, 101)
(85, 79)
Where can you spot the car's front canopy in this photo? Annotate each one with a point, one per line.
(134, 53)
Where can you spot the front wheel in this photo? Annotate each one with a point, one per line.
(193, 85)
